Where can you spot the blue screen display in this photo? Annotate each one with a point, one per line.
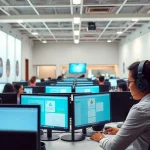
(68, 79)
(81, 79)
(77, 68)
(18, 119)
(54, 110)
(113, 82)
(83, 89)
(91, 109)
(58, 89)
(84, 84)
(2, 87)
(28, 90)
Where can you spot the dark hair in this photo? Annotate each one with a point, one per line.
(17, 87)
(42, 80)
(82, 76)
(133, 68)
(49, 78)
(33, 79)
(123, 86)
(8, 88)
(59, 78)
(101, 78)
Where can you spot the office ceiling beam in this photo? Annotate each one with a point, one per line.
(69, 18)
(112, 20)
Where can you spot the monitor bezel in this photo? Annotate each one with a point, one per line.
(89, 125)
(38, 120)
(78, 72)
(55, 128)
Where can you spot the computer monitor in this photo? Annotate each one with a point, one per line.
(58, 89)
(24, 83)
(34, 89)
(8, 98)
(84, 84)
(81, 79)
(121, 102)
(69, 79)
(77, 68)
(20, 127)
(2, 87)
(92, 109)
(64, 84)
(104, 88)
(113, 82)
(82, 89)
(54, 111)
(47, 83)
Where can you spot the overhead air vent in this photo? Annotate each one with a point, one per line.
(96, 10)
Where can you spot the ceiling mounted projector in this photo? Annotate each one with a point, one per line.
(91, 26)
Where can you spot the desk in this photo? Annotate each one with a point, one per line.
(87, 144)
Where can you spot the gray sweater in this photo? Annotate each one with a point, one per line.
(135, 130)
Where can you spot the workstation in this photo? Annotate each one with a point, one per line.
(69, 46)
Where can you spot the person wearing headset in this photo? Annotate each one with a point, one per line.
(19, 90)
(136, 128)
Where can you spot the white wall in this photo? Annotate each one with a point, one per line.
(64, 53)
(136, 50)
(27, 46)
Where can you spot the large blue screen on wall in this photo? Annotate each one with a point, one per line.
(77, 68)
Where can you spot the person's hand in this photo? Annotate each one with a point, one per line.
(112, 131)
(97, 136)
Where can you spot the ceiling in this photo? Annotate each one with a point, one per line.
(53, 19)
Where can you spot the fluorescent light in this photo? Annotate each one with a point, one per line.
(135, 19)
(20, 21)
(34, 33)
(76, 32)
(76, 41)
(44, 41)
(119, 32)
(76, 20)
(76, 2)
(109, 41)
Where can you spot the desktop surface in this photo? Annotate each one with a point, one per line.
(54, 110)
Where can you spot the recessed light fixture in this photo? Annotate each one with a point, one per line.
(20, 21)
(34, 33)
(135, 19)
(76, 41)
(44, 41)
(76, 20)
(119, 32)
(76, 2)
(76, 32)
(109, 41)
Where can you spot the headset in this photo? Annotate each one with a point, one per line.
(142, 83)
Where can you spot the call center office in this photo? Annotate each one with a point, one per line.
(102, 34)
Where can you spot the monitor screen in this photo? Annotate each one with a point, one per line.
(8, 98)
(12, 119)
(20, 127)
(91, 110)
(58, 89)
(113, 82)
(28, 90)
(81, 79)
(54, 110)
(77, 68)
(84, 84)
(2, 87)
(82, 89)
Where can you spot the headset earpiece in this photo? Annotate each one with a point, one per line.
(141, 83)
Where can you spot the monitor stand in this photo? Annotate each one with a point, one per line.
(72, 137)
(49, 136)
(86, 133)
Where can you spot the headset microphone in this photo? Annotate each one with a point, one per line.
(132, 97)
